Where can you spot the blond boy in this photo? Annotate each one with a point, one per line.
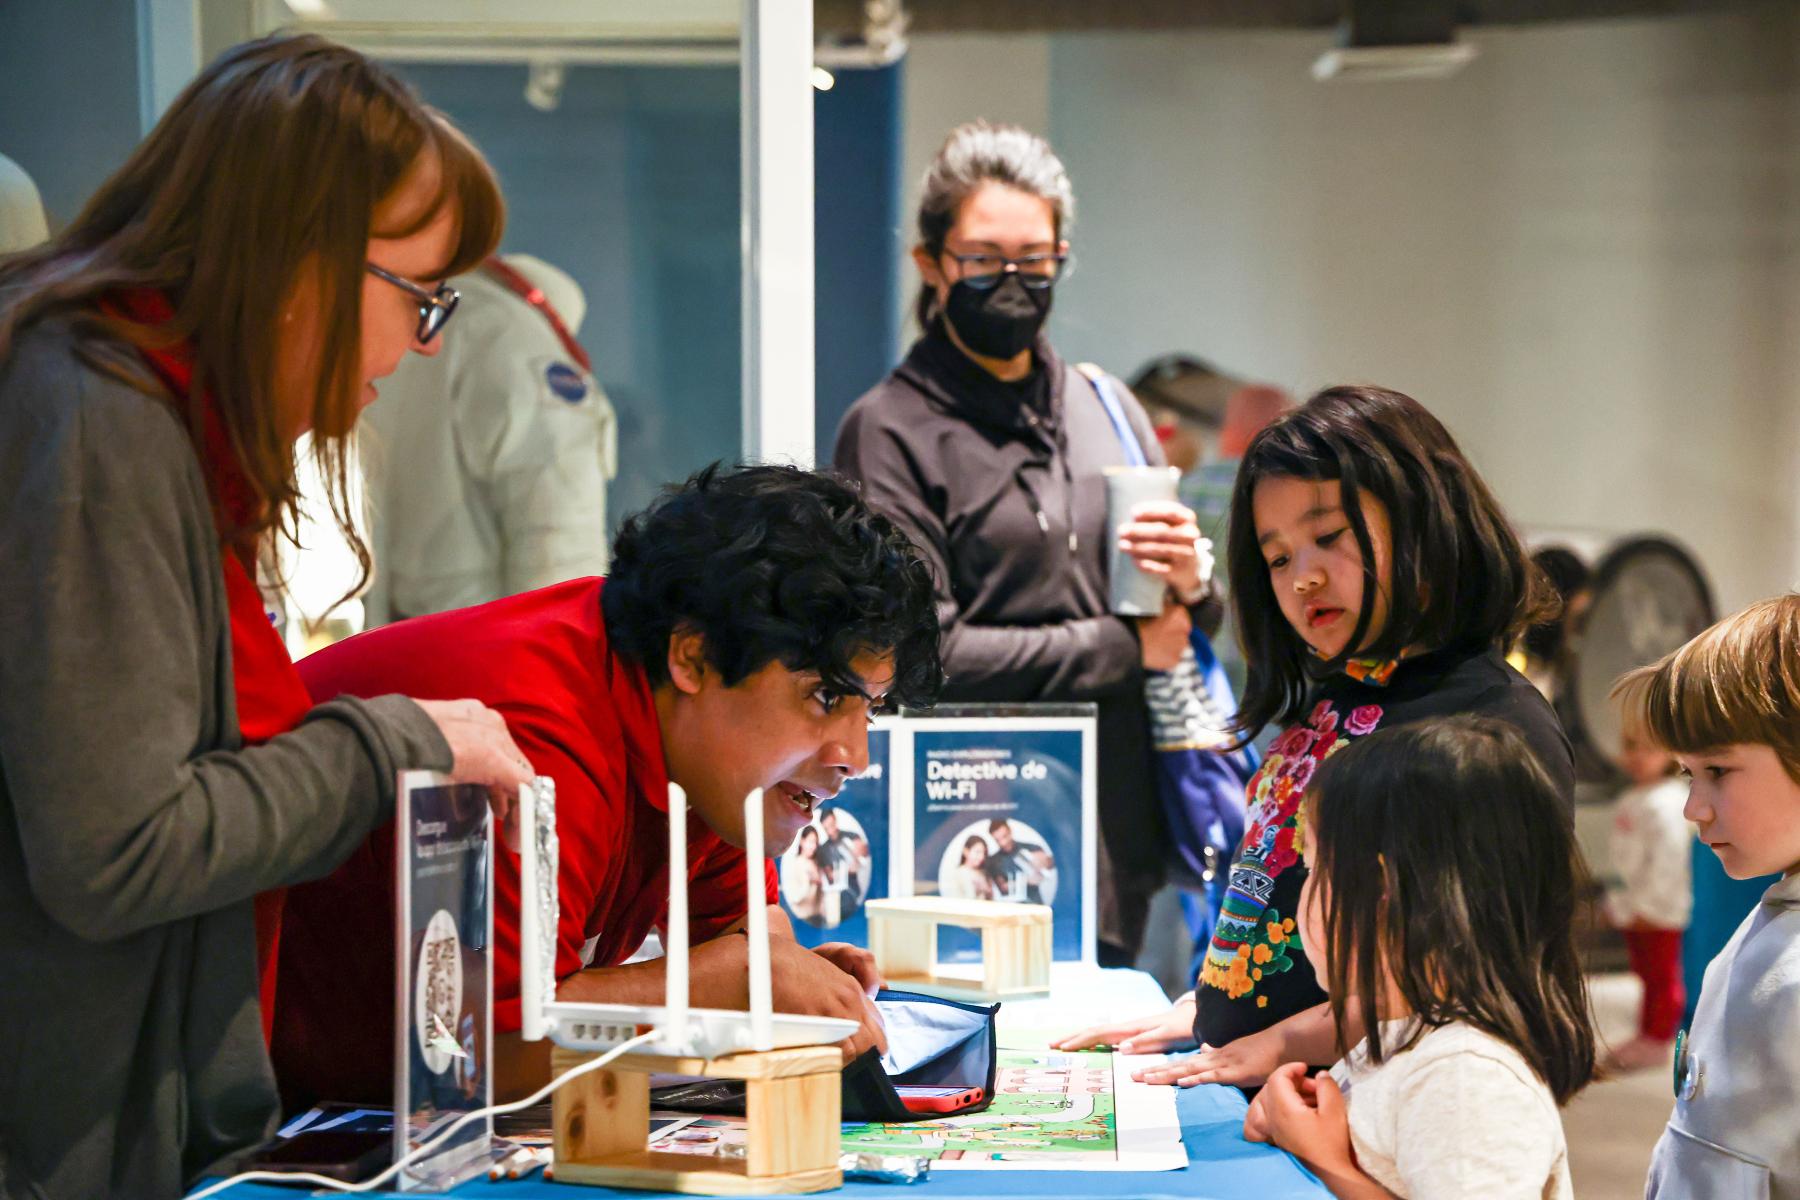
(1727, 705)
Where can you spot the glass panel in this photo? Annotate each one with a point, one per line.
(630, 184)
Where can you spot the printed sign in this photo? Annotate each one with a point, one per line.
(443, 1010)
(1003, 809)
(839, 862)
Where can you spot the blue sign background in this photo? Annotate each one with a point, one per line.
(1043, 797)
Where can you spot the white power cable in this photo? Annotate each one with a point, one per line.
(369, 1185)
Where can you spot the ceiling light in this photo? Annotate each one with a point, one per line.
(1370, 64)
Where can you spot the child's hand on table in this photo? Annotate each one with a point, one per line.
(1245, 1062)
(1169, 1030)
(1305, 1115)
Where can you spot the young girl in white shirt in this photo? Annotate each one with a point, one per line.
(1438, 915)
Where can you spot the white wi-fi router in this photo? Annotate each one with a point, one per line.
(680, 1029)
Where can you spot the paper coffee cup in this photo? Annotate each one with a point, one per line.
(1132, 591)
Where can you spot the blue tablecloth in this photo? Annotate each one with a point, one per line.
(1221, 1164)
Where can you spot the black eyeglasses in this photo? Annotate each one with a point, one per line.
(983, 272)
(434, 307)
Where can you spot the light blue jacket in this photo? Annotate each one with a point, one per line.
(1735, 1131)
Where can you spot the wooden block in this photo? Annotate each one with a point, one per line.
(903, 948)
(600, 1114)
(750, 1064)
(792, 1124)
(1015, 957)
(793, 1106)
(971, 914)
(1015, 946)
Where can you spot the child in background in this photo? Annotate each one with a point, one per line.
(1727, 705)
(1438, 916)
(1650, 900)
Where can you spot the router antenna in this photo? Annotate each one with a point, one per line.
(539, 905)
(675, 958)
(757, 902)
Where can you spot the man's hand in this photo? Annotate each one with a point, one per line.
(811, 985)
(854, 961)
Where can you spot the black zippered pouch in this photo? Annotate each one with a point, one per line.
(932, 1042)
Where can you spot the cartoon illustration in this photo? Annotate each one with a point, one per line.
(1046, 1102)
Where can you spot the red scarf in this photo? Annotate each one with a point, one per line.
(271, 698)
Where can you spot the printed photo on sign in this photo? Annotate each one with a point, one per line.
(998, 859)
(825, 875)
(838, 863)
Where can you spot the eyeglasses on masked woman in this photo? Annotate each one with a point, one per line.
(984, 271)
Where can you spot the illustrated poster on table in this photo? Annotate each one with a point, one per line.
(839, 861)
(1002, 813)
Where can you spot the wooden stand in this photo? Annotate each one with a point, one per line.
(793, 1107)
(1015, 946)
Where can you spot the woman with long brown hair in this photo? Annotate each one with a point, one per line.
(272, 249)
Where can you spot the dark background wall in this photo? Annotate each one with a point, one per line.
(631, 186)
(859, 239)
(69, 94)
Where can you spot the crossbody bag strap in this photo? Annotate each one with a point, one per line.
(1115, 412)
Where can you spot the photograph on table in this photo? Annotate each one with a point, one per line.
(1002, 809)
(839, 860)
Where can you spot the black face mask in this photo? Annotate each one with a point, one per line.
(998, 322)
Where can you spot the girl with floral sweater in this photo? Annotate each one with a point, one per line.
(1380, 584)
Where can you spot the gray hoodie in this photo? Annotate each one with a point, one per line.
(135, 829)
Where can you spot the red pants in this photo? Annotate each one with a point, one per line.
(1656, 959)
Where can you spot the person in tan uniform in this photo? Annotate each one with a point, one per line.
(486, 467)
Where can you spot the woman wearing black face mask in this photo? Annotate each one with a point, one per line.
(990, 451)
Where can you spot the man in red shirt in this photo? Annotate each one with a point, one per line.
(753, 621)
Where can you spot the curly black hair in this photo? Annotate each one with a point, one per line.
(773, 563)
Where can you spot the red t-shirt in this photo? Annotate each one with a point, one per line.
(583, 717)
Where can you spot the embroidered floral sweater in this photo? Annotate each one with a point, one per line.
(1256, 972)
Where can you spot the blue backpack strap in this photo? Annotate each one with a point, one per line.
(1115, 412)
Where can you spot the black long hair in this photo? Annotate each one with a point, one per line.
(1443, 853)
(1458, 572)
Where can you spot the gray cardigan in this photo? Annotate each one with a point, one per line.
(134, 827)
